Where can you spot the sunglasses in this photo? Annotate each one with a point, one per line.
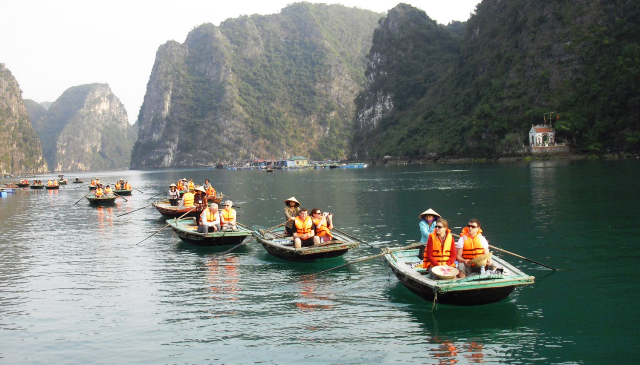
(470, 226)
(438, 227)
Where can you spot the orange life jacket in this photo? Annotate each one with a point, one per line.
(98, 192)
(211, 191)
(180, 186)
(304, 227)
(472, 246)
(229, 215)
(49, 183)
(93, 183)
(191, 185)
(323, 229)
(127, 186)
(108, 190)
(188, 200)
(441, 252)
(118, 185)
(209, 216)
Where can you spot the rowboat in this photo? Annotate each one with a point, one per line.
(165, 208)
(187, 230)
(279, 245)
(37, 186)
(106, 199)
(475, 289)
(52, 187)
(123, 191)
(92, 187)
(78, 181)
(22, 185)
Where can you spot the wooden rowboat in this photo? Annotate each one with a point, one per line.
(52, 187)
(123, 191)
(475, 289)
(106, 199)
(187, 230)
(165, 208)
(37, 186)
(279, 245)
(22, 185)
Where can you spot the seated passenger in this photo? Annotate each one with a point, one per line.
(322, 223)
(440, 248)
(209, 190)
(99, 192)
(127, 186)
(427, 225)
(471, 245)
(291, 211)
(228, 216)
(209, 219)
(304, 235)
(191, 185)
(108, 190)
(200, 198)
(188, 199)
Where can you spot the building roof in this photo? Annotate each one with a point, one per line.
(298, 158)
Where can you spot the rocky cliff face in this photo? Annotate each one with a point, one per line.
(20, 150)
(516, 60)
(86, 129)
(256, 86)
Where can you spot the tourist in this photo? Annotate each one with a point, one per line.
(471, 244)
(209, 219)
(99, 191)
(228, 216)
(188, 199)
(108, 190)
(323, 224)
(174, 195)
(200, 198)
(427, 226)
(304, 234)
(440, 250)
(291, 211)
(209, 190)
(191, 185)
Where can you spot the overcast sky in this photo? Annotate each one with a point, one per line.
(52, 45)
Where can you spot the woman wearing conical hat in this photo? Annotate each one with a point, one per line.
(291, 211)
(427, 225)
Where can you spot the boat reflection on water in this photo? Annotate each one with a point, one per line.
(223, 276)
(311, 298)
(105, 217)
(467, 335)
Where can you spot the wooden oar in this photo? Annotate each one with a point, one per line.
(522, 257)
(350, 236)
(82, 198)
(158, 231)
(386, 251)
(244, 242)
(142, 192)
(146, 206)
(125, 199)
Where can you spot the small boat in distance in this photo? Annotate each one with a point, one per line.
(187, 230)
(52, 187)
(36, 186)
(78, 181)
(475, 289)
(126, 192)
(281, 246)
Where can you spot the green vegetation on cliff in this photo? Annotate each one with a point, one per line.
(517, 60)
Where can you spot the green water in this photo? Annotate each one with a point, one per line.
(76, 287)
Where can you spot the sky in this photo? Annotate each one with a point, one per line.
(52, 45)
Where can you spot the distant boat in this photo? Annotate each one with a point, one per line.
(78, 181)
(187, 230)
(22, 185)
(52, 187)
(277, 244)
(123, 191)
(475, 289)
(37, 186)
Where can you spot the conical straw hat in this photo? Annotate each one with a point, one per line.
(444, 272)
(292, 199)
(481, 260)
(430, 211)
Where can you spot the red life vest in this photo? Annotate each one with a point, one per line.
(321, 227)
(304, 227)
(472, 246)
(441, 251)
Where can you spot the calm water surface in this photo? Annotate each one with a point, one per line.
(76, 287)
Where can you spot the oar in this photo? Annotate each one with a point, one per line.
(125, 199)
(82, 198)
(146, 206)
(139, 190)
(350, 236)
(158, 231)
(244, 242)
(153, 196)
(386, 251)
(522, 257)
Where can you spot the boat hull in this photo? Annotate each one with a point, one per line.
(186, 229)
(104, 200)
(36, 187)
(55, 187)
(126, 192)
(473, 290)
(277, 245)
(22, 185)
(176, 211)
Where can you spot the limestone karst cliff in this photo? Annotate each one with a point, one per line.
(20, 149)
(85, 129)
(256, 86)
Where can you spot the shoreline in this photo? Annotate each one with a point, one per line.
(396, 161)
